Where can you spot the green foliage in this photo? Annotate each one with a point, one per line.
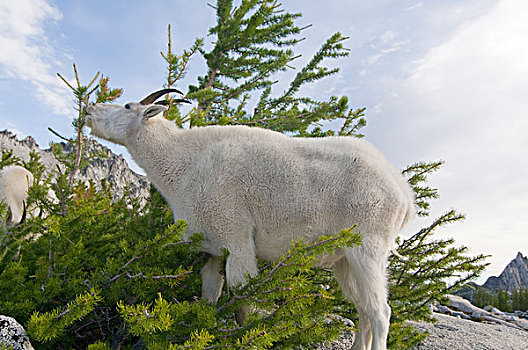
(428, 268)
(520, 299)
(98, 345)
(483, 297)
(106, 94)
(501, 299)
(254, 44)
(88, 258)
(292, 309)
(417, 177)
(82, 94)
(176, 69)
(8, 159)
(403, 336)
(50, 325)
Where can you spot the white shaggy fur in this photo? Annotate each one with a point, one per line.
(251, 191)
(14, 184)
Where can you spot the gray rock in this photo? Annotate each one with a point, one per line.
(496, 311)
(521, 323)
(12, 334)
(521, 314)
(465, 306)
(344, 342)
(488, 308)
(447, 311)
(21, 149)
(488, 314)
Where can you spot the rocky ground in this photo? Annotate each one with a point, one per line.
(453, 333)
(462, 326)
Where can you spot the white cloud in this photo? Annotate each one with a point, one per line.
(388, 37)
(467, 101)
(26, 52)
(414, 7)
(385, 44)
(11, 127)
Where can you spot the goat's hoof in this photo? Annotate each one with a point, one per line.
(241, 314)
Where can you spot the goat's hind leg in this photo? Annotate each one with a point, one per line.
(347, 282)
(369, 274)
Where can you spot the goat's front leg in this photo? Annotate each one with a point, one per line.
(240, 263)
(212, 280)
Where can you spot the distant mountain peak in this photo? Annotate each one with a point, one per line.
(514, 276)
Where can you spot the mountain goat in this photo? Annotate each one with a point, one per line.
(14, 184)
(252, 191)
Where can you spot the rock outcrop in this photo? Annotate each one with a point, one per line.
(111, 167)
(13, 335)
(460, 307)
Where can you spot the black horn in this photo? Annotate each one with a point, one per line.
(176, 100)
(155, 95)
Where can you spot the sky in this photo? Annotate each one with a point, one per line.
(440, 80)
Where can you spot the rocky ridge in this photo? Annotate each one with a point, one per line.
(110, 166)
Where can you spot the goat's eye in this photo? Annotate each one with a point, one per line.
(127, 106)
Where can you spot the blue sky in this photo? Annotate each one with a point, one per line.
(440, 80)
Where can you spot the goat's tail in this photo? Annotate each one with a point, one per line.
(409, 215)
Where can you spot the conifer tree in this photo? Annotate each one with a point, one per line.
(428, 268)
(484, 297)
(520, 299)
(253, 44)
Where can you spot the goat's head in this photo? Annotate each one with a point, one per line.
(115, 122)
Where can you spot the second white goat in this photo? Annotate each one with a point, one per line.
(14, 184)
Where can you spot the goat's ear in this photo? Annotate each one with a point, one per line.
(153, 110)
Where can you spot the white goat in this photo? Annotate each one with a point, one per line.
(251, 191)
(14, 184)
